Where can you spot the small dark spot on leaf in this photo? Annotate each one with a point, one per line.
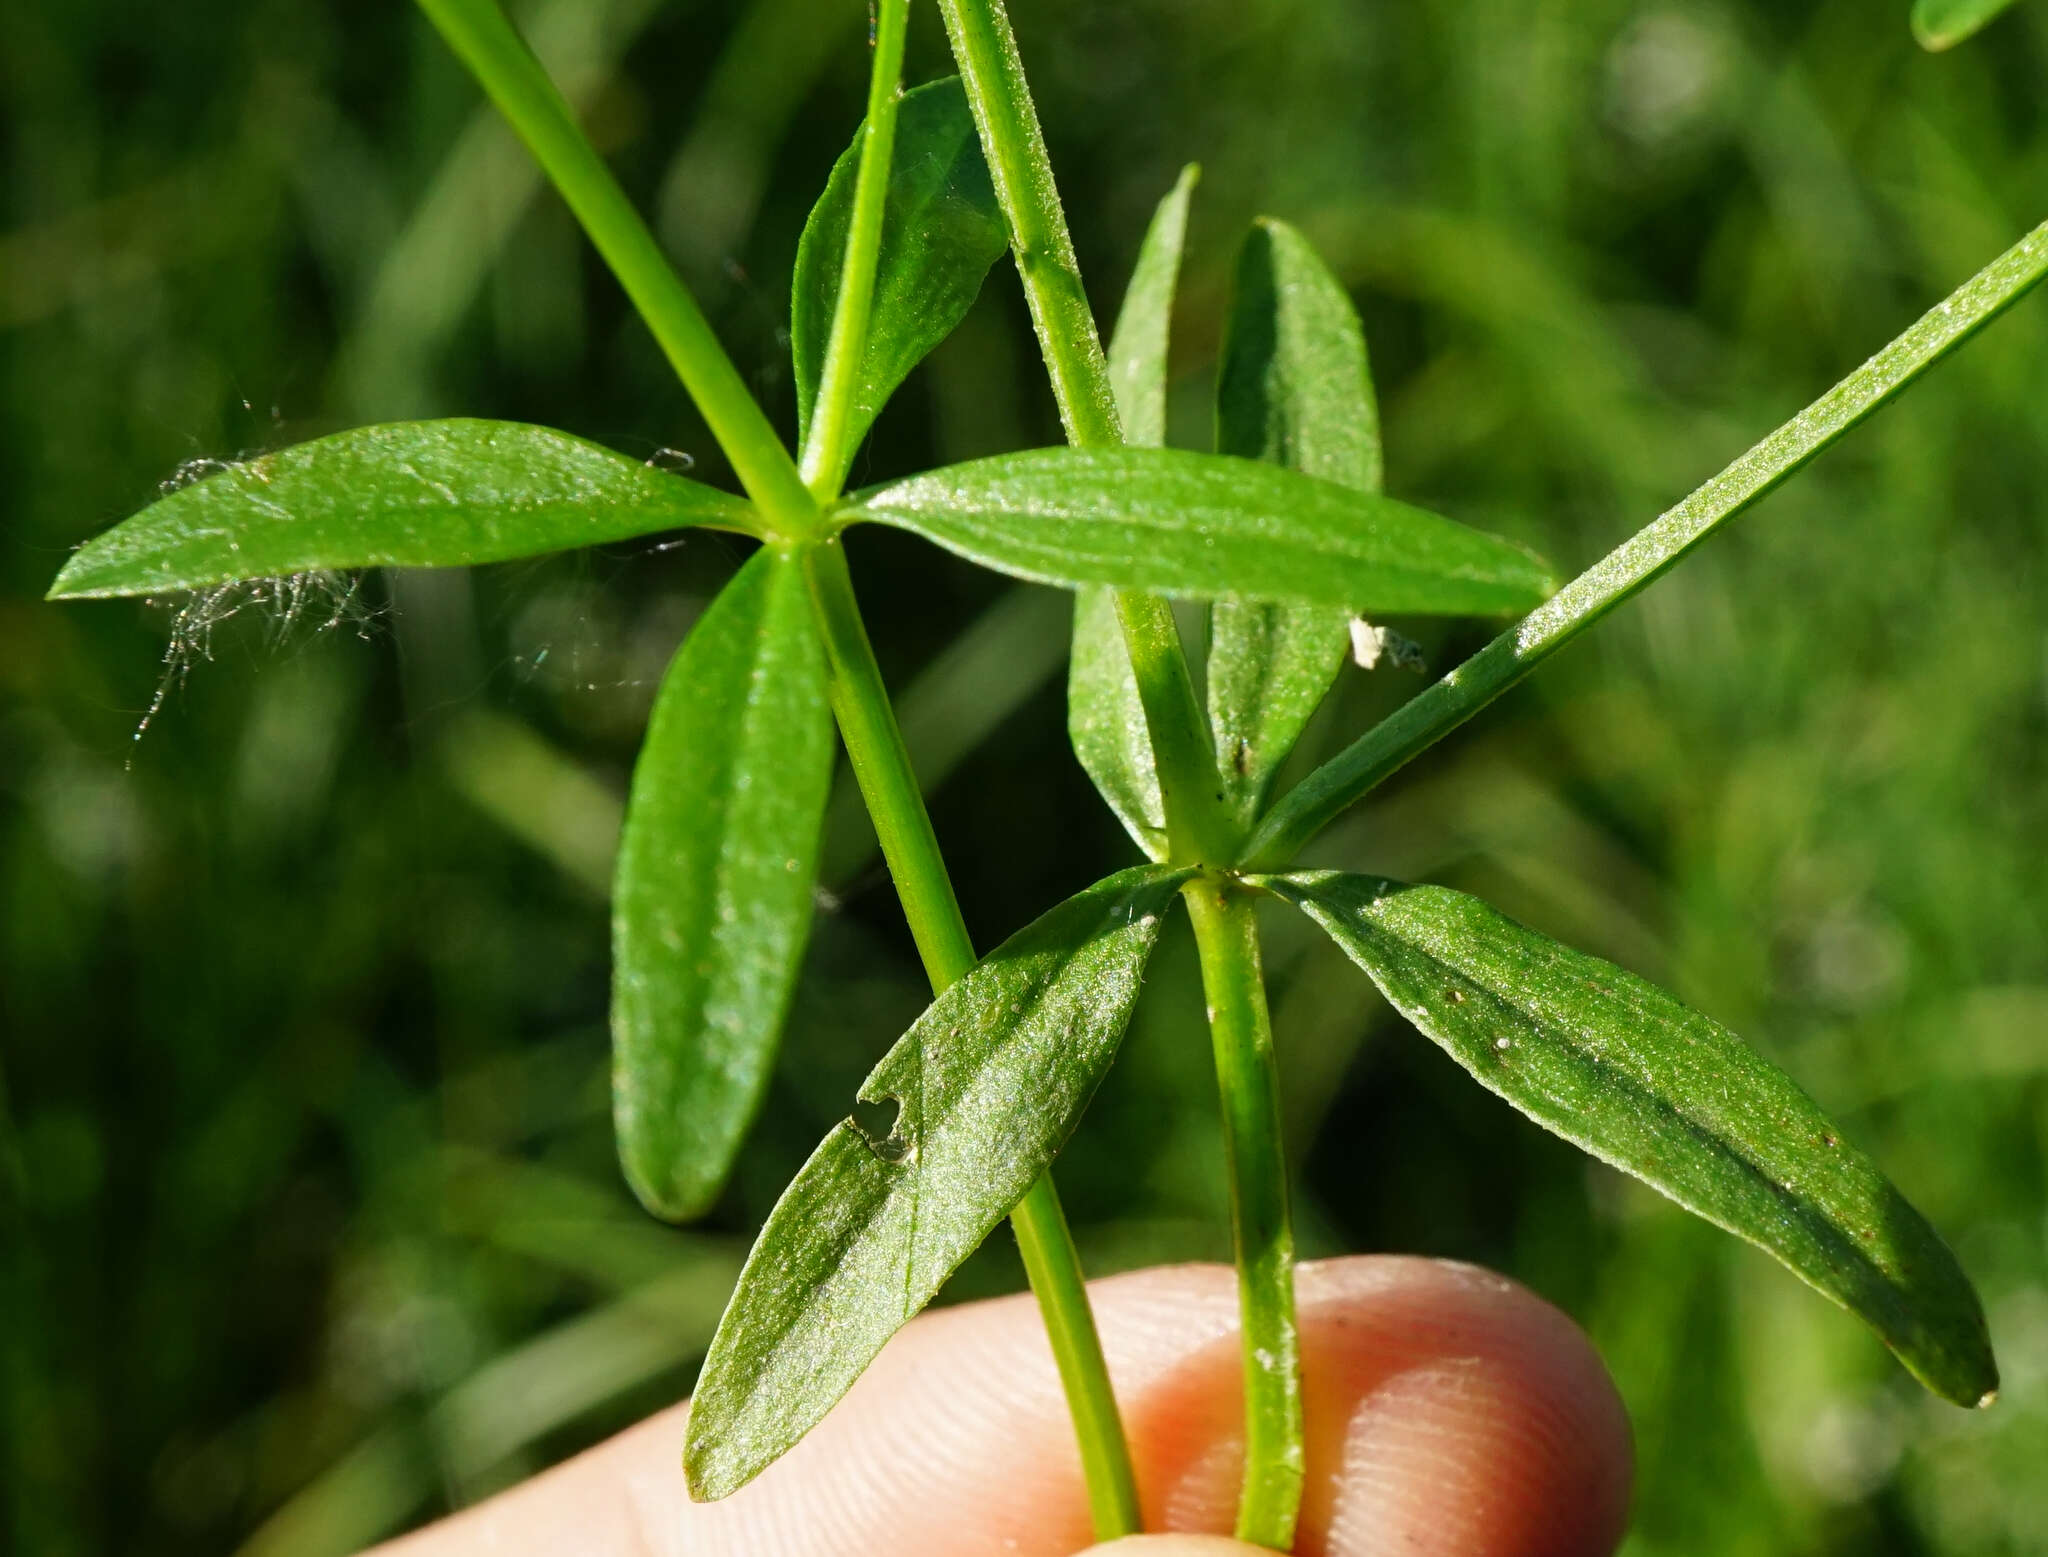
(1241, 759)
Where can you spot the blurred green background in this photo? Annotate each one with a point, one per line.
(310, 1222)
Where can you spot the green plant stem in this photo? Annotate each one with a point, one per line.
(1199, 829)
(881, 765)
(823, 455)
(1421, 722)
(498, 57)
(1233, 981)
(985, 49)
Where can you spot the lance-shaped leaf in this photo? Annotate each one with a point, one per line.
(1207, 526)
(1137, 346)
(989, 1083)
(1942, 24)
(1295, 388)
(405, 494)
(1618, 1067)
(712, 903)
(1105, 720)
(941, 231)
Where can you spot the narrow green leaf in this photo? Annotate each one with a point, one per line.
(1618, 1067)
(1295, 387)
(941, 231)
(712, 903)
(1137, 346)
(989, 1082)
(1204, 525)
(1942, 24)
(1106, 722)
(1105, 719)
(405, 494)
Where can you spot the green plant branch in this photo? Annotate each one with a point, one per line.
(1420, 723)
(985, 49)
(498, 57)
(847, 346)
(1199, 828)
(881, 765)
(1233, 982)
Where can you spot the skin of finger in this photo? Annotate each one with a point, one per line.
(1449, 1411)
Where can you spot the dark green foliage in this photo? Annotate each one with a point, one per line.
(712, 904)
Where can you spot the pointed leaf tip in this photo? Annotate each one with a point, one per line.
(1942, 24)
(1619, 1068)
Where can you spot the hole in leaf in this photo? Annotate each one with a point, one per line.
(877, 1122)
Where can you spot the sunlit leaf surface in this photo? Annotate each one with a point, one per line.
(1618, 1067)
(1207, 526)
(405, 494)
(988, 1083)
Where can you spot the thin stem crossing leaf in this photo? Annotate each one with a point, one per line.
(989, 1083)
(940, 232)
(1295, 387)
(1105, 715)
(1644, 557)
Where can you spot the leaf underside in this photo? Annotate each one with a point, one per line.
(989, 1082)
(1105, 719)
(1942, 24)
(1619, 1068)
(941, 231)
(712, 902)
(1207, 526)
(1295, 387)
(403, 494)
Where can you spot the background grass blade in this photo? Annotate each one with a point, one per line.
(712, 904)
(941, 232)
(1618, 1067)
(406, 494)
(1295, 387)
(989, 1083)
(1105, 719)
(1206, 526)
(1942, 24)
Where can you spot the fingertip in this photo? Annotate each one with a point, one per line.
(1448, 1410)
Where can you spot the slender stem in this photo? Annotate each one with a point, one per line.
(991, 69)
(824, 457)
(1233, 981)
(498, 57)
(1424, 720)
(986, 50)
(874, 744)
